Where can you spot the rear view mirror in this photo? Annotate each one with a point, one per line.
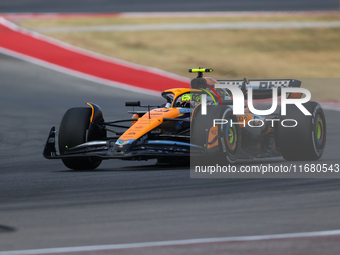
(132, 103)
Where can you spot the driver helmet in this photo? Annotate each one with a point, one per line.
(186, 99)
(189, 100)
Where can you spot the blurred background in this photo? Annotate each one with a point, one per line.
(45, 205)
(281, 39)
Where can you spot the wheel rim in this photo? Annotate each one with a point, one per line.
(231, 137)
(319, 132)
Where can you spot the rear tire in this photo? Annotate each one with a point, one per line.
(307, 140)
(73, 131)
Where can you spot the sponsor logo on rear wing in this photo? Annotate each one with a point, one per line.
(264, 83)
(262, 89)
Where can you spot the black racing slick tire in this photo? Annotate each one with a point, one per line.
(228, 136)
(73, 131)
(305, 141)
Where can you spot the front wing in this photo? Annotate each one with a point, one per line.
(148, 149)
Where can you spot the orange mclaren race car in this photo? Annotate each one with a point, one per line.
(197, 121)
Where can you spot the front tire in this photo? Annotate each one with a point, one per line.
(73, 131)
(307, 140)
(229, 136)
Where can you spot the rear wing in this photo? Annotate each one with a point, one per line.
(262, 89)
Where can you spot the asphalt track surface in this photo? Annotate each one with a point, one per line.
(37, 6)
(43, 204)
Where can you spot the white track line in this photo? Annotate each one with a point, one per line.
(195, 26)
(53, 15)
(77, 74)
(224, 14)
(73, 48)
(172, 243)
(88, 53)
(330, 105)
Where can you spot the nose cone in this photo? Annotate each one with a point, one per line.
(123, 146)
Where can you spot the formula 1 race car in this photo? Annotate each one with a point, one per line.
(202, 121)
